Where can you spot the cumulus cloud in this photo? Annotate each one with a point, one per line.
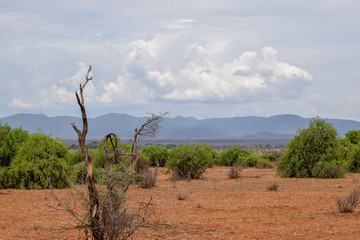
(78, 77)
(64, 92)
(175, 67)
(18, 103)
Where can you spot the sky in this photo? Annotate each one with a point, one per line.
(203, 58)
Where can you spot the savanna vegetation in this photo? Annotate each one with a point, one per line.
(38, 161)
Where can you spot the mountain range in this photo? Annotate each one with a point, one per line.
(252, 127)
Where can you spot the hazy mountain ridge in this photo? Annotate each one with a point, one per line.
(250, 127)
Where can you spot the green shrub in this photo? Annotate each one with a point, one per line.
(189, 162)
(10, 142)
(75, 157)
(262, 163)
(233, 155)
(353, 136)
(157, 155)
(99, 156)
(354, 160)
(209, 153)
(40, 161)
(325, 169)
(256, 161)
(317, 143)
(270, 156)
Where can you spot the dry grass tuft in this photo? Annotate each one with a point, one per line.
(148, 179)
(234, 172)
(274, 186)
(347, 204)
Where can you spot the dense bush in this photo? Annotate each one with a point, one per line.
(233, 156)
(314, 152)
(354, 160)
(98, 155)
(157, 155)
(207, 152)
(10, 142)
(353, 136)
(40, 161)
(189, 162)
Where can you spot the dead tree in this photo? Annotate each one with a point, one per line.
(108, 216)
(148, 129)
(90, 181)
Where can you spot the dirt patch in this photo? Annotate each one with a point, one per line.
(212, 208)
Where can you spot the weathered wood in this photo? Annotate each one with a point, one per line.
(94, 215)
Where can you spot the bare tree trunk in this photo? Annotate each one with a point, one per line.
(90, 181)
(149, 129)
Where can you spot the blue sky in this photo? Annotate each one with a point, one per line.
(193, 58)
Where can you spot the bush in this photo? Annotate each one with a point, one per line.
(148, 179)
(325, 169)
(157, 155)
(262, 163)
(207, 152)
(10, 142)
(354, 160)
(234, 172)
(270, 156)
(99, 157)
(233, 156)
(274, 186)
(75, 157)
(349, 203)
(189, 162)
(353, 136)
(311, 150)
(40, 161)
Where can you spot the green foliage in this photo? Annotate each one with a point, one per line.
(269, 156)
(354, 160)
(10, 142)
(314, 152)
(323, 169)
(99, 157)
(207, 152)
(257, 161)
(189, 162)
(233, 156)
(353, 136)
(75, 157)
(157, 155)
(40, 161)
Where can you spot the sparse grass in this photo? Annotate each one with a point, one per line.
(347, 204)
(274, 186)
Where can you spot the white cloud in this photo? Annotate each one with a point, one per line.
(125, 90)
(78, 77)
(178, 67)
(18, 103)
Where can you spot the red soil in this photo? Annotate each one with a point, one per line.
(214, 208)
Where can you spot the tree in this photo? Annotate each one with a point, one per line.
(189, 162)
(108, 216)
(313, 152)
(353, 136)
(10, 142)
(157, 155)
(233, 156)
(94, 214)
(40, 161)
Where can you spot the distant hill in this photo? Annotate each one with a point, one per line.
(275, 127)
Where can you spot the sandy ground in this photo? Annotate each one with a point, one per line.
(212, 208)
